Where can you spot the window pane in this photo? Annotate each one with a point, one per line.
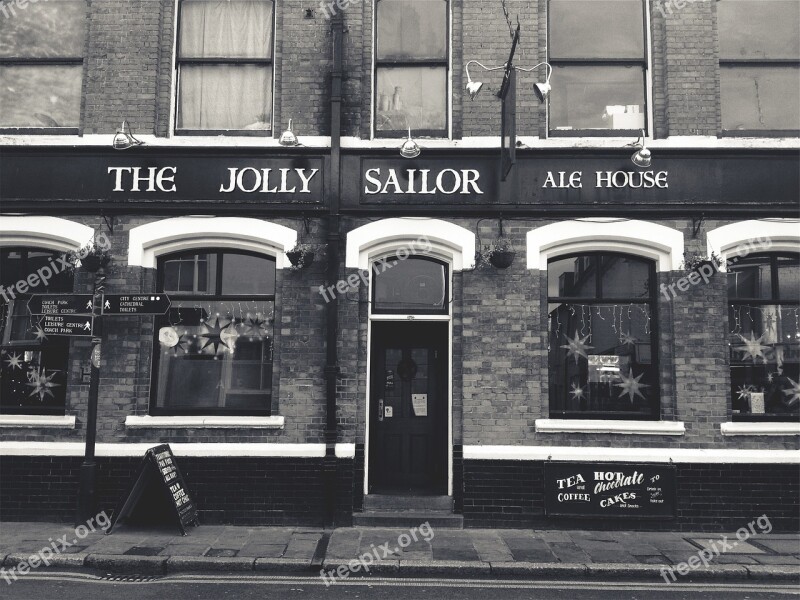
(225, 97)
(40, 96)
(760, 97)
(758, 29)
(765, 351)
(573, 277)
(789, 278)
(43, 30)
(245, 274)
(597, 98)
(411, 285)
(750, 277)
(222, 359)
(227, 29)
(596, 29)
(413, 97)
(601, 360)
(412, 29)
(191, 273)
(34, 380)
(624, 277)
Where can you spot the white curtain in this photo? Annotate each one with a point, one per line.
(225, 96)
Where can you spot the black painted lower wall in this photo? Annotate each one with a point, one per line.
(710, 497)
(252, 491)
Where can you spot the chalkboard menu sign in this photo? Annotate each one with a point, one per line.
(609, 490)
(158, 469)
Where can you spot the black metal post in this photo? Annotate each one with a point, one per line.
(87, 496)
(332, 274)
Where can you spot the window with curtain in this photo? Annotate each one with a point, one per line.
(41, 66)
(213, 348)
(599, 56)
(411, 67)
(764, 336)
(33, 367)
(225, 66)
(603, 361)
(759, 60)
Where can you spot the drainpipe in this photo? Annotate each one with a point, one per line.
(334, 243)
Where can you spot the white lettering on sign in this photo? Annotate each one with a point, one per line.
(153, 177)
(422, 181)
(608, 179)
(268, 181)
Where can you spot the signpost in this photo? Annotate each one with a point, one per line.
(69, 325)
(143, 304)
(60, 304)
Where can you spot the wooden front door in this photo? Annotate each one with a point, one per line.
(408, 408)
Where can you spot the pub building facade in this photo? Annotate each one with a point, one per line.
(560, 332)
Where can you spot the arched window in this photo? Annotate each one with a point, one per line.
(410, 285)
(602, 344)
(764, 337)
(214, 346)
(33, 372)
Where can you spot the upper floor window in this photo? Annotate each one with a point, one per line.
(41, 65)
(214, 346)
(34, 367)
(411, 67)
(598, 52)
(759, 59)
(224, 66)
(413, 285)
(764, 338)
(602, 344)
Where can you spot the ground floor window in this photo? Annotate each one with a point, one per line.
(602, 352)
(33, 366)
(214, 346)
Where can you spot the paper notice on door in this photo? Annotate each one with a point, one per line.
(420, 404)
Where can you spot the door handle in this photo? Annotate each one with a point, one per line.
(380, 409)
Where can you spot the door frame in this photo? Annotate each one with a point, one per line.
(416, 318)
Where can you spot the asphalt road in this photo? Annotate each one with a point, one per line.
(82, 586)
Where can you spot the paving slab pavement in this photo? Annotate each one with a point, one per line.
(504, 553)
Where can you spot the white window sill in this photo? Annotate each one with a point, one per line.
(148, 422)
(753, 428)
(52, 421)
(610, 426)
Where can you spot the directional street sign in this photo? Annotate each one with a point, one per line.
(71, 325)
(143, 304)
(60, 304)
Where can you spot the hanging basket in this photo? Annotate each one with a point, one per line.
(501, 259)
(300, 259)
(94, 262)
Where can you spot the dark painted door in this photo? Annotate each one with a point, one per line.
(408, 408)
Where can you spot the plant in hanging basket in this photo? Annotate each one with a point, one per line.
(695, 262)
(302, 255)
(501, 256)
(92, 257)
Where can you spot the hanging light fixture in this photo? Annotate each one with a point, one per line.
(410, 148)
(642, 157)
(473, 87)
(542, 90)
(288, 138)
(124, 139)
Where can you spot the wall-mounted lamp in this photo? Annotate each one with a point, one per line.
(288, 138)
(542, 90)
(642, 157)
(124, 139)
(410, 148)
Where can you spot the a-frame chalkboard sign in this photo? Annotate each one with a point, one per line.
(158, 466)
